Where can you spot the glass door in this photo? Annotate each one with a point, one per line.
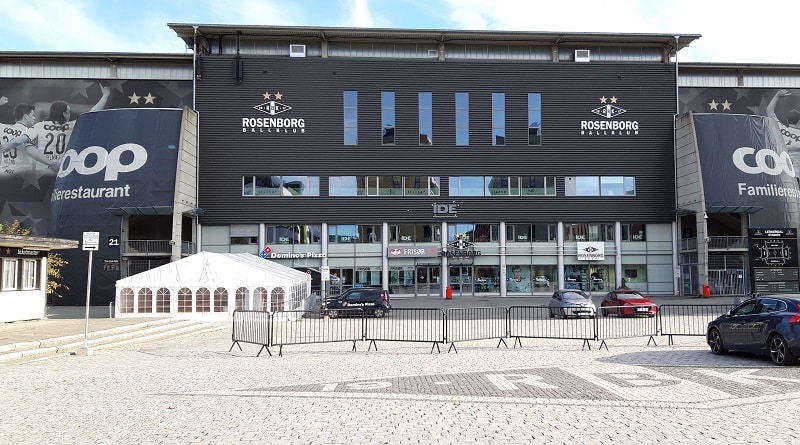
(401, 280)
(461, 280)
(428, 281)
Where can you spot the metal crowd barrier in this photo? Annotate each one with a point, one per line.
(251, 327)
(407, 325)
(612, 323)
(688, 319)
(311, 327)
(479, 323)
(437, 326)
(535, 322)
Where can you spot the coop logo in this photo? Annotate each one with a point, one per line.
(95, 159)
(609, 110)
(766, 161)
(273, 124)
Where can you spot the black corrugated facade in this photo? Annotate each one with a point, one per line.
(313, 88)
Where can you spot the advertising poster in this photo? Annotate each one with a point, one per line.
(74, 150)
(45, 110)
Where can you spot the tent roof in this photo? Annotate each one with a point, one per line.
(217, 270)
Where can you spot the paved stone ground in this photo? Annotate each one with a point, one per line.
(191, 390)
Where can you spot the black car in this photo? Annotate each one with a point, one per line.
(358, 301)
(766, 325)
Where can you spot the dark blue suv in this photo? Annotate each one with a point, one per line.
(358, 301)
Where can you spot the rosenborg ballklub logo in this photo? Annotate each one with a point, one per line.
(609, 125)
(276, 121)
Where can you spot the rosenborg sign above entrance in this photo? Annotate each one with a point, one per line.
(591, 251)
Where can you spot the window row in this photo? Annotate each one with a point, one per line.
(502, 186)
(20, 274)
(148, 301)
(536, 185)
(425, 113)
(600, 186)
(280, 185)
(432, 233)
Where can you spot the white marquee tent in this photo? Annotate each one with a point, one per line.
(210, 286)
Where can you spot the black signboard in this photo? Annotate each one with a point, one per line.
(762, 274)
(773, 259)
(778, 287)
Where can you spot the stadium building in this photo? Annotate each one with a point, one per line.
(481, 163)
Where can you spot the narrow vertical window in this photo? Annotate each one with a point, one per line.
(387, 118)
(462, 118)
(425, 118)
(351, 118)
(534, 119)
(498, 118)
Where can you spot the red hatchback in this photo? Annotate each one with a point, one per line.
(624, 302)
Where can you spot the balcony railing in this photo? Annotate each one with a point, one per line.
(717, 243)
(147, 247)
(727, 242)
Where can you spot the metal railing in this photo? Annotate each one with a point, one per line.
(147, 247)
(716, 243)
(438, 327)
(688, 319)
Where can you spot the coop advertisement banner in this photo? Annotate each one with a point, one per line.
(746, 167)
(118, 162)
(37, 119)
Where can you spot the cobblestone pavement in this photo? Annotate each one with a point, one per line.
(191, 390)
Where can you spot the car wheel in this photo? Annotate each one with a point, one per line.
(379, 312)
(552, 315)
(564, 315)
(715, 342)
(779, 351)
(333, 313)
(603, 312)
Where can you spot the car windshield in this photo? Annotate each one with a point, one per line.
(630, 296)
(573, 296)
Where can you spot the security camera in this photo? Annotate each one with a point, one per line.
(172, 242)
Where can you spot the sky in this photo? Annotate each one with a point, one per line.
(731, 32)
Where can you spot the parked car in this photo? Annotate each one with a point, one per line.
(767, 325)
(357, 301)
(625, 302)
(567, 303)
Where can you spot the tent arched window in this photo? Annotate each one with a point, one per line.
(145, 300)
(162, 300)
(221, 300)
(203, 300)
(242, 297)
(185, 300)
(126, 301)
(263, 298)
(278, 297)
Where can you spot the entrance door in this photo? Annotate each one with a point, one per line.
(401, 280)
(461, 280)
(428, 281)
